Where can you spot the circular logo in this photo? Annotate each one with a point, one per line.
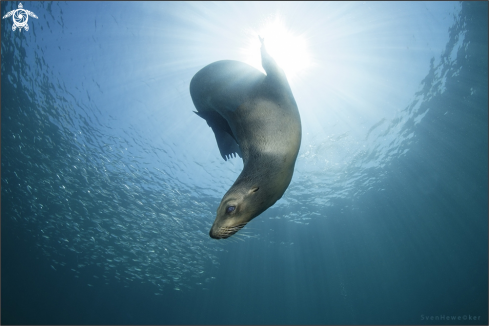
(20, 18)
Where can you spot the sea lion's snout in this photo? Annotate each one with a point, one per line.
(212, 235)
(225, 231)
(239, 205)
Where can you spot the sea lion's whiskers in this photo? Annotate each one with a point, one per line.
(242, 236)
(245, 232)
(234, 239)
(247, 236)
(238, 237)
(227, 231)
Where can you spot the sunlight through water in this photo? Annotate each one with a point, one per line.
(109, 178)
(289, 49)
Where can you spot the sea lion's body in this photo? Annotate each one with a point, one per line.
(255, 116)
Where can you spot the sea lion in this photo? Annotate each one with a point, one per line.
(256, 117)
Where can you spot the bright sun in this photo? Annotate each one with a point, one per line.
(289, 50)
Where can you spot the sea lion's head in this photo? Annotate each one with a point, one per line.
(238, 206)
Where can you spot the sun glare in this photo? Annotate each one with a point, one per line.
(287, 48)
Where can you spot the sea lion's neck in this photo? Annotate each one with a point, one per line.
(269, 137)
(270, 172)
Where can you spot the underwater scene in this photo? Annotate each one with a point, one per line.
(110, 183)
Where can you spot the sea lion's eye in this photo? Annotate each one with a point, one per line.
(230, 209)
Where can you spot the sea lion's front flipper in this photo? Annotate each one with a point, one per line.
(224, 136)
(227, 145)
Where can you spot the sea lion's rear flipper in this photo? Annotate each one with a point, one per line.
(268, 63)
(224, 136)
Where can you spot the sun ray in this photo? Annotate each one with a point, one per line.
(289, 49)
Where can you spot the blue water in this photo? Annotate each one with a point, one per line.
(110, 183)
